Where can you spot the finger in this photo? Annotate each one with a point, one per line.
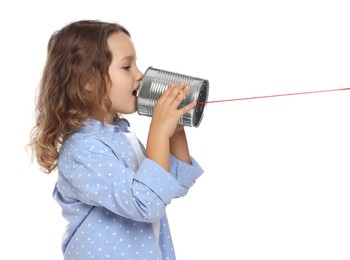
(175, 92)
(187, 108)
(181, 95)
(166, 93)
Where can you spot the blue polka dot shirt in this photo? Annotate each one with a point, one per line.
(110, 202)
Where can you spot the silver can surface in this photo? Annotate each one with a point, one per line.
(156, 81)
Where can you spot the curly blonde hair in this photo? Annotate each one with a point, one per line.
(77, 54)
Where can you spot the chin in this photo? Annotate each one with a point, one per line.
(128, 112)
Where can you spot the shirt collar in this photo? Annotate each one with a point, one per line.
(98, 127)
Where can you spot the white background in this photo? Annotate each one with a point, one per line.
(276, 182)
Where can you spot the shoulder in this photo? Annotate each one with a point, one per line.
(95, 138)
(81, 143)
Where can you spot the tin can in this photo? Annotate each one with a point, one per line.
(156, 81)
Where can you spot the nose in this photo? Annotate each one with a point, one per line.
(139, 75)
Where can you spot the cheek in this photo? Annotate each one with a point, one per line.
(118, 95)
(120, 86)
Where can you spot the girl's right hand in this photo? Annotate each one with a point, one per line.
(166, 114)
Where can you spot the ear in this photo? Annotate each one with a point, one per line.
(89, 87)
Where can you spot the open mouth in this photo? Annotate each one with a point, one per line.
(136, 91)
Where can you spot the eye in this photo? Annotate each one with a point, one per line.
(127, 68)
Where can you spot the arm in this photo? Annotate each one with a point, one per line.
(184, 168)
(179, 145)
(164, 135)
(93, 173)
(167, 140)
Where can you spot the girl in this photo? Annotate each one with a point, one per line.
(113, 192)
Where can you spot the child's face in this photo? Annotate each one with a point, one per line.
(124, 74)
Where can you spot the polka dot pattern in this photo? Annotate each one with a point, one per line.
(110, 202)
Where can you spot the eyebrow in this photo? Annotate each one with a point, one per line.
(129, 57)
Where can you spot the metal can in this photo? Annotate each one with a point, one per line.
(156, 81)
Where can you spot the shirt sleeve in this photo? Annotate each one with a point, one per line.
(93, 174)
(186, 174)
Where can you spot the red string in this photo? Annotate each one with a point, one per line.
(279, 95)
